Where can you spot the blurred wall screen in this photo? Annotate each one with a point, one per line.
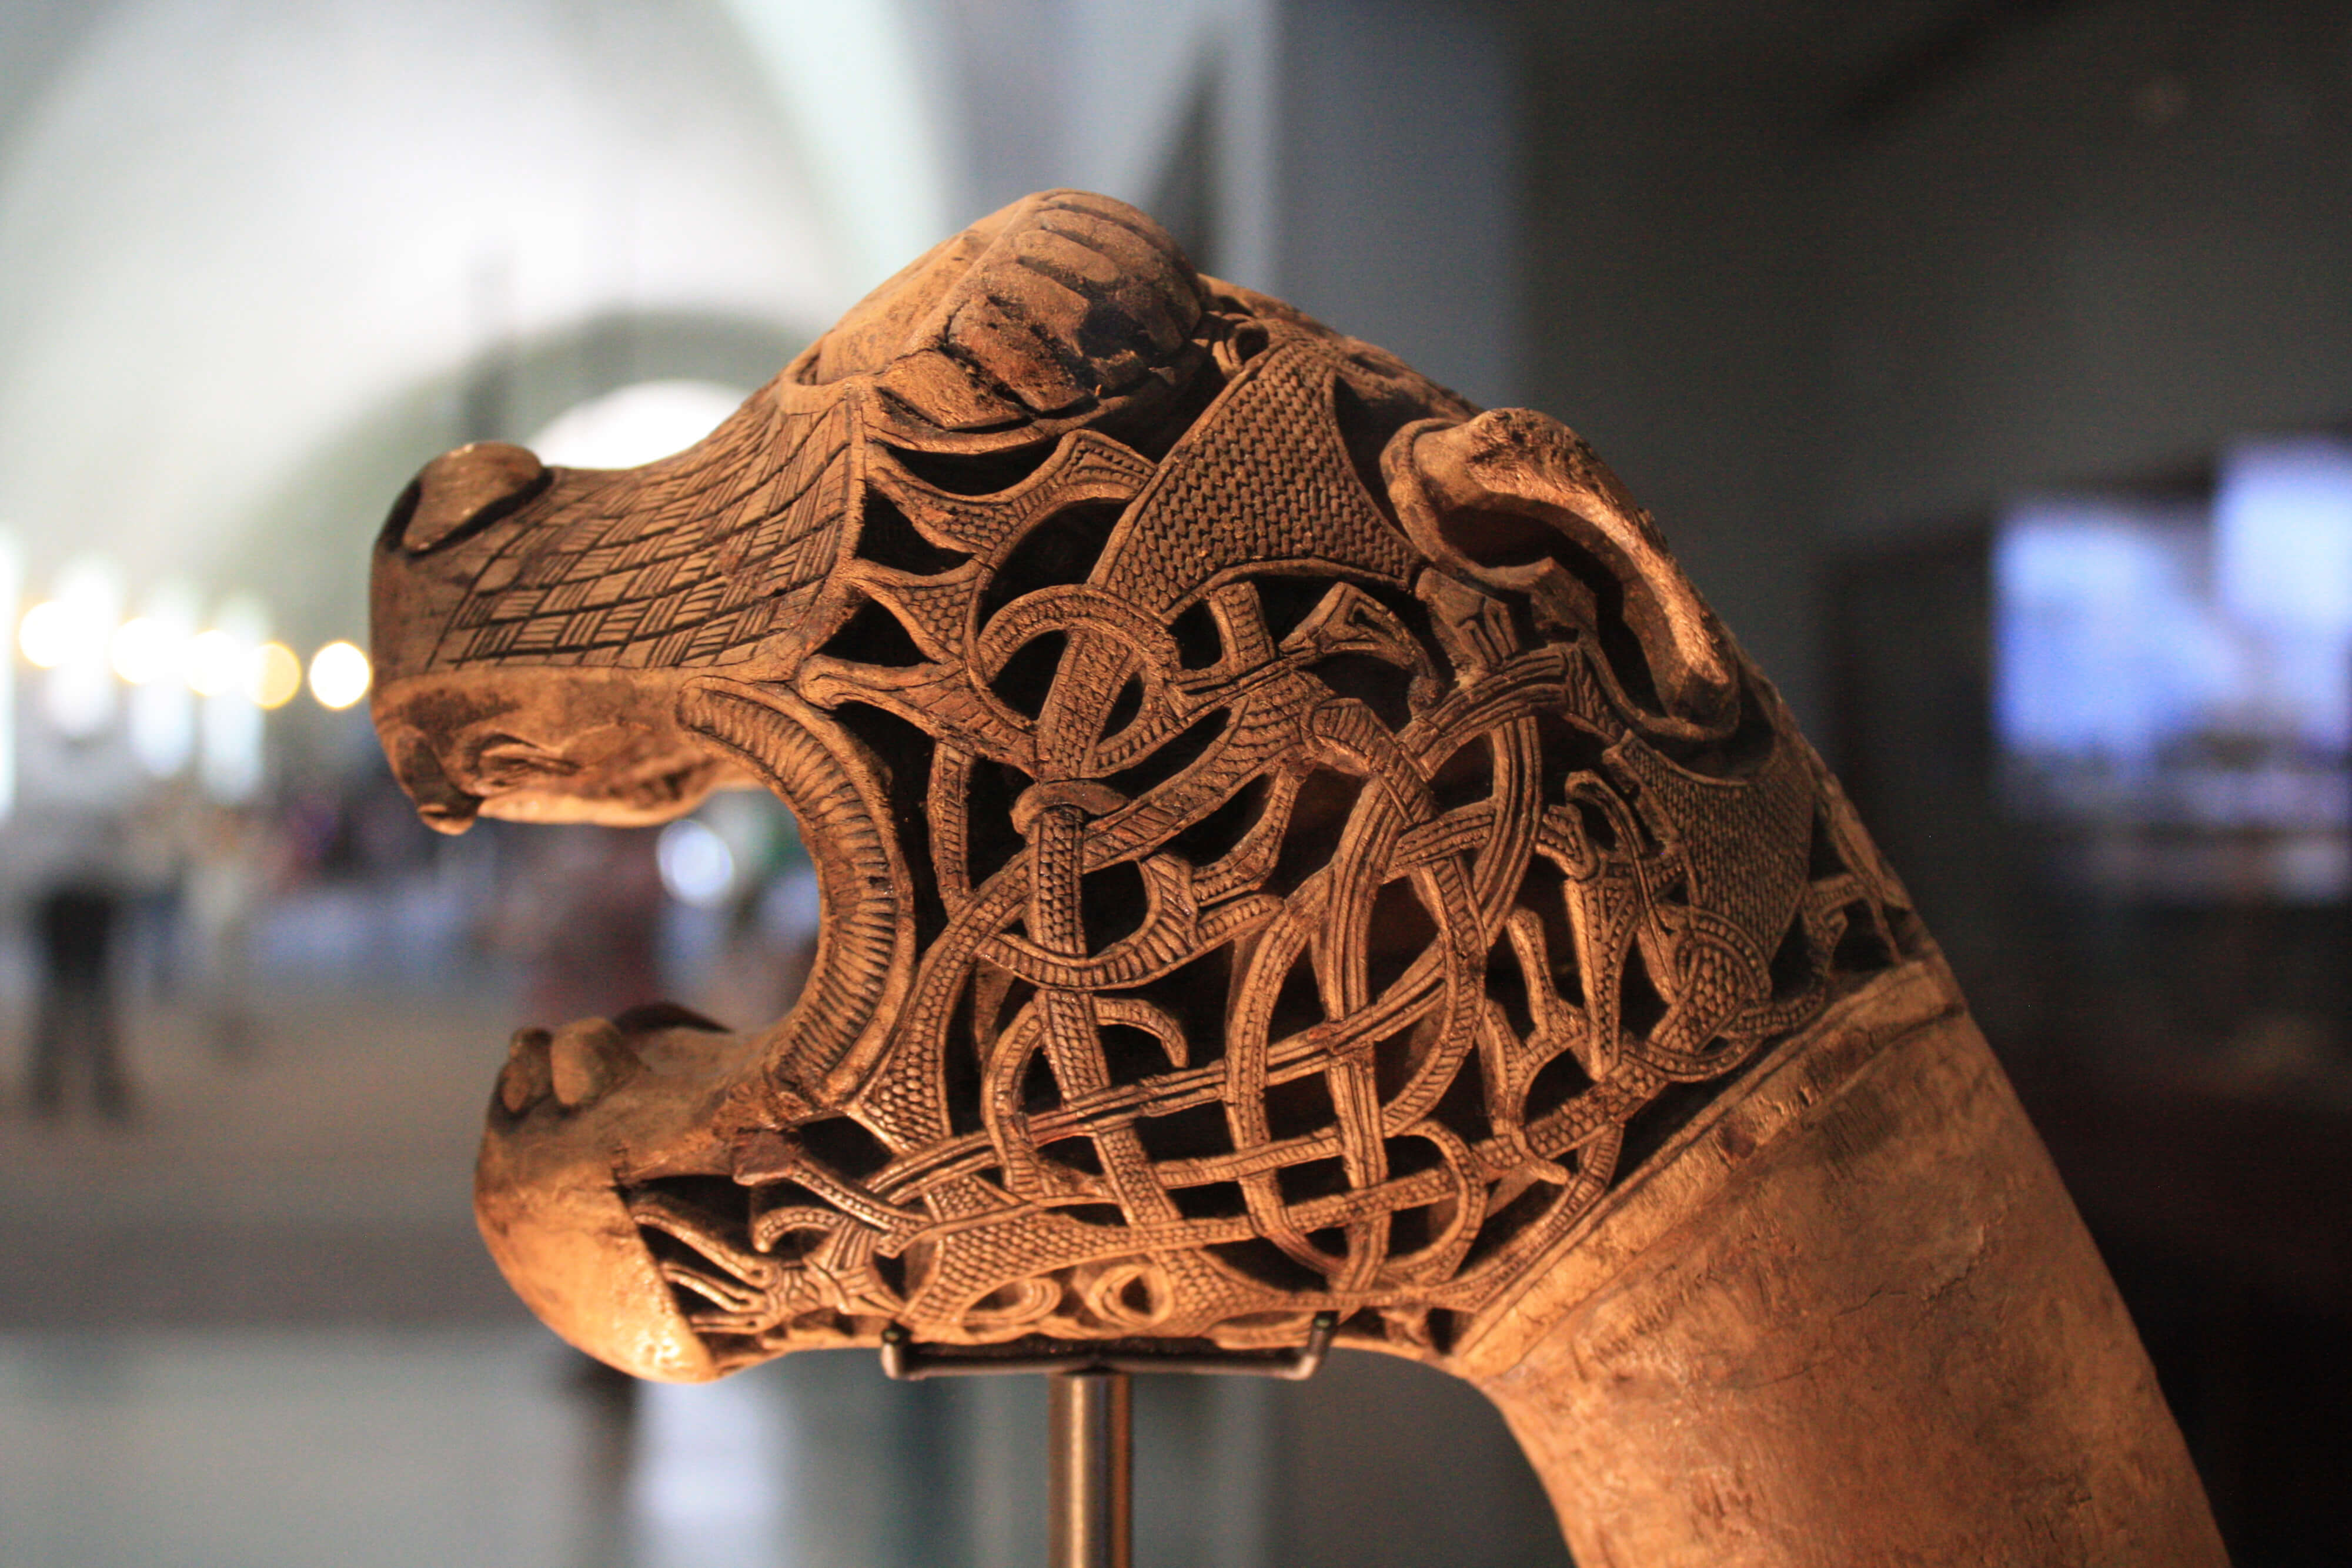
(2172, 683)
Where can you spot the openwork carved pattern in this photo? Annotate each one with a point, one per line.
(1291, 841)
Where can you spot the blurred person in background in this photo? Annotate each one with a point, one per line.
(156, 851)
(76, 1036)
(227, 875)
(582, 914)
(768, 926)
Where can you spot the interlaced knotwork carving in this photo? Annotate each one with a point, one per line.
(1286, 836)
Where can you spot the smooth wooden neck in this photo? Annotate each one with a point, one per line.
(1848, 1316)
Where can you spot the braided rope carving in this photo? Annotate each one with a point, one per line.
(1290, 842)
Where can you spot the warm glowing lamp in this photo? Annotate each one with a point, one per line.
(46, 635)
(276, 675)
(339, 674)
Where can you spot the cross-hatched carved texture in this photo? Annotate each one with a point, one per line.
(1291, 843)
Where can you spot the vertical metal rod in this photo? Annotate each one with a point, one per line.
(1090, 1472)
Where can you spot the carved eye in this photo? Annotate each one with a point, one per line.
(461, 493)
(507, 760)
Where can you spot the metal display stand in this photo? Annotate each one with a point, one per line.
(1091, 1468)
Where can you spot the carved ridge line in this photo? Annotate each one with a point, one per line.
(865, 934)
(1807, 1069)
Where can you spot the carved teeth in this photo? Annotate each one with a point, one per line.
(586, 1059)
(527, 1076)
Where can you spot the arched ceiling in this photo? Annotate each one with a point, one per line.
(259, 257)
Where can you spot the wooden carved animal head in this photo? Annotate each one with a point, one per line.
(1290, 842)
(1282, 831)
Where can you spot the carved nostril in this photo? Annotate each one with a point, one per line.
(446, 808)
(528, 1075)
(461, 493)
(586, 1059)
(451, 819)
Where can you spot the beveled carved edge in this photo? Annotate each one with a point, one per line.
(1692, 1170)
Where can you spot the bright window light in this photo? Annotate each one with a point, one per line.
(636, 424)
(78, 694)
(213, 663)
(339, 674)
(275, 677)
(141, 650)
(230, 761)
(160, 723)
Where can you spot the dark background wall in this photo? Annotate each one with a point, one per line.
(1827, 289)
(1809, 275)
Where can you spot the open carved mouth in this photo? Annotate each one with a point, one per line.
(704, 1165)
(825, 1045)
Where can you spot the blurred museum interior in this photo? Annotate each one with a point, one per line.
(1989, 364)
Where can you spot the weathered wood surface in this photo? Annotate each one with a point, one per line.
(1290, 842)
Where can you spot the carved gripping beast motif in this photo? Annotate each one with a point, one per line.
(1289, 841)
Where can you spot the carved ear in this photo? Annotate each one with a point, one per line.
(1054, 305)
(1517, 501)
